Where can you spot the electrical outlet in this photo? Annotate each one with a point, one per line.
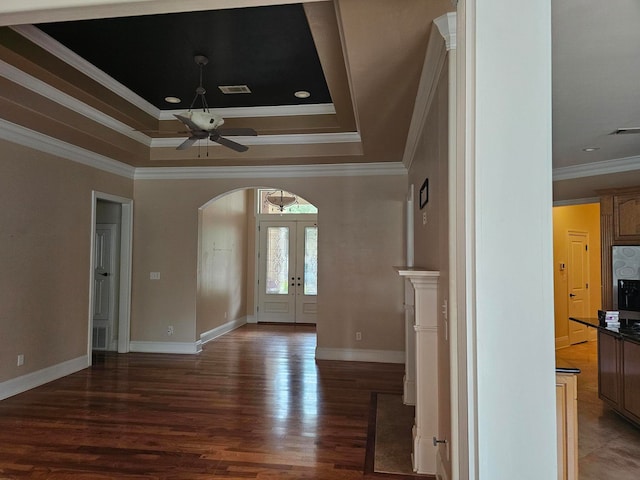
(424, 218)
(20, 359)
(358, 336)
(154, 276)
(170, 330)
(225, 315)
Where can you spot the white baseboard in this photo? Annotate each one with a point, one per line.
(252, 319)
(222, 329)
(359, 355)
(187, 348)
(40, 377)
(409, 393)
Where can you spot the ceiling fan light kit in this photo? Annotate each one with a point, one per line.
(204, 124)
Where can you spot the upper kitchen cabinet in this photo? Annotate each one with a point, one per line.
(626, 218)
(619, 225)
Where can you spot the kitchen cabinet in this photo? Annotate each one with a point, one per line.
(609, 367)
(631, 380)
(619, 373)
(567, 425)
(619, 225)
(626, 217)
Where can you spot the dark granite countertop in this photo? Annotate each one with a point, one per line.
(629, 329)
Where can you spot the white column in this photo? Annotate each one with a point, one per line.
(504, 66)
(409, 381)
(425, 286)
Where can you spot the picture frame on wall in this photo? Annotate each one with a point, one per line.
(424, 193)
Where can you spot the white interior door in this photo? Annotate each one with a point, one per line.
(103, 283)
(287, 280)
(578, 284)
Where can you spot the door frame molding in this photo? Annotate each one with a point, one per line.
(265, 217)
(126, 260)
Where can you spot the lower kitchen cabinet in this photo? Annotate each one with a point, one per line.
(619, 374)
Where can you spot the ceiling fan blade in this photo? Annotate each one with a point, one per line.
(229, 143)
(187, 143)
(188, 122)
(237, 132)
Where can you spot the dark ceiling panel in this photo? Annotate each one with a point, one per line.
(269, 49)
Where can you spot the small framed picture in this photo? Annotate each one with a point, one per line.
(424, 193)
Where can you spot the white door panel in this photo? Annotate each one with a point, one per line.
(578, 281)
(103, 283)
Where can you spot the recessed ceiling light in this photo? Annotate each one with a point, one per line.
(302, 94)
(172, 99)
(590, 149)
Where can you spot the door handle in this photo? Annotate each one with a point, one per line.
(572, 295)
(104, 274)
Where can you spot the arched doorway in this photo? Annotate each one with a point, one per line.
(233, 236)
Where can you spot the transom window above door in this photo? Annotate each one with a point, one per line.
(273, 201)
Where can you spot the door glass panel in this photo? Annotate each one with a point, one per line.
(277, 282)
(311, 260)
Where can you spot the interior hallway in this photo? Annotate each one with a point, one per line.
(253, 404)
(609, 447)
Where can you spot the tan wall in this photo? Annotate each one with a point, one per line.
(360, 224)
(45, 223)
(431, 240)
(585, 218)
(222, 271)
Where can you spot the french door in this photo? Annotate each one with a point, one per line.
(288, 271)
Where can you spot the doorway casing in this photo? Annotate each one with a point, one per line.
(124, 290)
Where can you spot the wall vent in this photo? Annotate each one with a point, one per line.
(99, 338)
(231, 89)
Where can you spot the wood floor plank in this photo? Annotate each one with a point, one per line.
(254, 404)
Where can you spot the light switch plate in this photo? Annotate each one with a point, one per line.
(154, 276)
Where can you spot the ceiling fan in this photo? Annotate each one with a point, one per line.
(204, 124)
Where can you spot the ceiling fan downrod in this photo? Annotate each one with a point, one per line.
(201, 61)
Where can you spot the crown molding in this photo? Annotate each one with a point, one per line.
(447, 26)
(593, 169)
(302, 139)
(272, 111)
(41, 88)
(55, 48)
(271, 171)
(44, 143)
(31, 139)
(433, 63)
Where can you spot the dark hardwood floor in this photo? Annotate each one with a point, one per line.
(253, 404)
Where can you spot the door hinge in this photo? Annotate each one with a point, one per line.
(587, 285)
(586, 247)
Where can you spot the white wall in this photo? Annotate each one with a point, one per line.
(506, 57)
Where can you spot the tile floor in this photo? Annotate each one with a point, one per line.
(608, 445)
